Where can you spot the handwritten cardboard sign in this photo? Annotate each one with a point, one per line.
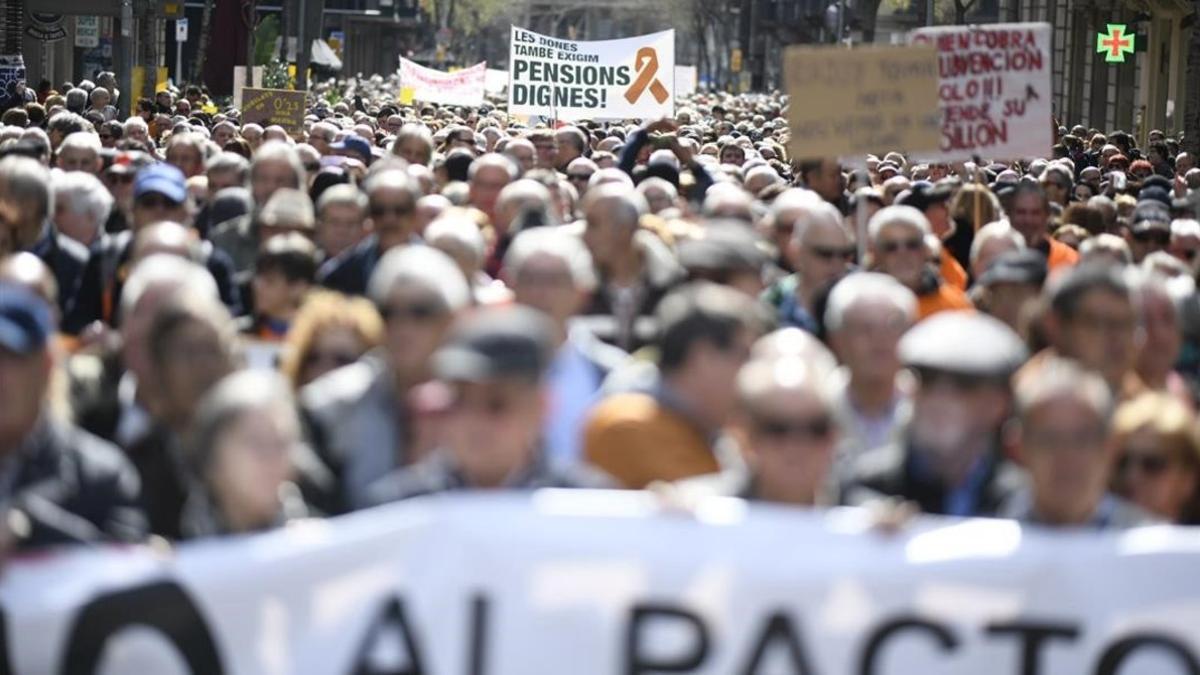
(275, 106)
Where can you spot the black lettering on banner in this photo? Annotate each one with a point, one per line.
(638, 662)
(1033, 636)
(477, 657)
(1117, 652)
(779, 628)
(945, 639)
(163, 606)
(393, 615)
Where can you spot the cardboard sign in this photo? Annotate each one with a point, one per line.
(853, 102)
(275, 106)
(633, 78)
(994, 89)
(685, 80)
(461, 87)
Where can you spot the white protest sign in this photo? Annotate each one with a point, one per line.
(994, 90)
(632, 78)
(603, 583)
(462, 87)
(685, 80)
(495, 81)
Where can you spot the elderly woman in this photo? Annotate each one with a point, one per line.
(243, 449)
(1159, 456)
(330, 331)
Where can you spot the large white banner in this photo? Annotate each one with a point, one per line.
(633, 78)
(685, 80)
(594, 583)
(994, 89)
(462, 87)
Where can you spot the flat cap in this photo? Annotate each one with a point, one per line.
(967, 343)
(497, 342)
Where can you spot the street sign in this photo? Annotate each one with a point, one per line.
(181, 30)
(87, 31)
(1116, 43)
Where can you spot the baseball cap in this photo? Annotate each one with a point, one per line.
(510, 341)
(163, 179)
(1016, 267)
(966, 343)
(356, 144)
(25, 320)
(924, 194)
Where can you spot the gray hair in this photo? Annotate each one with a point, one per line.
(278, 151)
(423, 266)
(342, 195)
(83, 193)
(1105, 243)
(905, 216)
(626, 204)
(494, 160)
(135, 122)
(610, 175)
(810, 206)
(764, 378)
(459, 230)
(1185, 227)
(867, 287)
(396, 179)
(1058, 378)
(228, 161)
(555, 243)
(164, 269)
(654, 182)
(81, 140)
(235, 396)
(76, 99)
(999, 229)
(25, 180)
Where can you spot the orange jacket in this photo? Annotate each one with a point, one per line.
(945, 297)
(1060, 255)
(952, 272)
(637, 440)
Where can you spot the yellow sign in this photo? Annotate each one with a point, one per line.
(849, 102)
(139, 80)
(735, 61)
(275, 106)
(406, 95)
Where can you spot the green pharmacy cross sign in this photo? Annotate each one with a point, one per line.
(1115, 44)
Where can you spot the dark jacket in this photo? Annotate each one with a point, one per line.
(73, 487)
(896, 471)
(165, 481)
(67, 260)
(350, 271)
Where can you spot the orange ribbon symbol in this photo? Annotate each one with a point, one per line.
(647, 67)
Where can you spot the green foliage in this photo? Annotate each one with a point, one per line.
(275, 75)
(466, 17)
(265, 36)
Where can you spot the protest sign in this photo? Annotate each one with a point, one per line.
(594, 583)
(855, 101)
(274, 106)
(462, 87)
(994, 89)
(632, 78)
(495, 81)
(685, 80)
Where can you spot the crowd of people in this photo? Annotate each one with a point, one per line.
(209, 327)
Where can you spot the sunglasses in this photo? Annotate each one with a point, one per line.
(815, 429)
(1152, 237)
(337, 359)
(891, 246)
(1149, 464)
(105, 137)
(833, 252)
(416, 312)
(392, 209)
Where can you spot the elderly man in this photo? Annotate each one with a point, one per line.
(1029, 213)
(572, 144)
(865, 317)
(341, 219)
(392, 207)
(186, 151)
(950, 461)
(80, 152)
(487, 176)
(899, 249)
(1065, 444)
(815, 245)
(26, 203)
(64, 485)
(136, 129)
(824, 176)
(224, 170)
(275, 166)
(1010, 287)
(322, 136)
(362, 420)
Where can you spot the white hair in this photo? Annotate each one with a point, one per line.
(493, 159)
(422, 266)
(811, 207)
(867, 287)
(81, 140)
(82, 193)
(556, 243)
(460, 230)
(1059, 378)
(165, 269)
(654, 182)
(610, 175)
(999, 229)
(905, 216)
(762, 379)
(137, 122)
(1185, 227)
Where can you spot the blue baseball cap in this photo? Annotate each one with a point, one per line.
(25, 320)
(164, 179)
(356, 144)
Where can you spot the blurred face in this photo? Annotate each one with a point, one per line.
(21, 222)
(547, 153)
(953, 413)
(320, 139)
(733, 154)
(1184, 163)
(393, 216)
(544, 282)
(1144, 242)
(485, 188)
(604, 235)
(716, 367)
(1009, 303)
(566, 148)
(416, 320)
(187, 158)
(1154, 477)
(78, 159)
(340, 227)
(23, 382)
(137, 133)
(223, 134)
(827, 181)
(275, 296)
(1066, 450)
(253, 136)
(251, 460)
(269, 176)
(1030, 217)
(867, 341)
(900, 251)
(823, 254)
(1055, 192)
(77, 226)
(791, 437)
(1163, 339)
(1187, 249)
(522, 155)
(413, 151)
(989, 251)
(939, 220)
(184, 381)
(219, 180)
(153, 207)
(1103, 335)
(332, 348)
(493, 427)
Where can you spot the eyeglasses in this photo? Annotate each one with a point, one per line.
(1151, 464)
(891, 246)
(833, 252)
(1152, 237)
(814, 429)
(391, 209)
(156, 201)
(417, 312)
(106, 137)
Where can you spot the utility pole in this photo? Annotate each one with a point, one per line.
(928, 12)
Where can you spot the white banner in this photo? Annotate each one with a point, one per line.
(994, 89)
(633, 78)
(685, 80)
(496, 80)
(595, 583)
(462, 87)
